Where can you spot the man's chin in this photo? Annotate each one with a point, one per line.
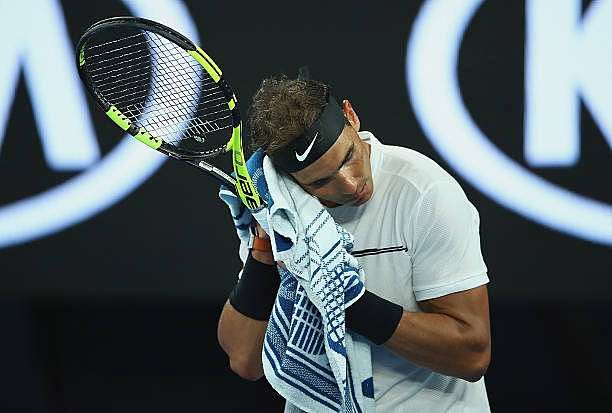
(329, 204)
(364, 197)
(361, 201)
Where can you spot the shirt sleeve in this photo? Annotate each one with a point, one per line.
(445, 243)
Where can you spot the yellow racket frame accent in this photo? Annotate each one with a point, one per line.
(119, 118)
(146, 138)
(244, 184)
(207, 64)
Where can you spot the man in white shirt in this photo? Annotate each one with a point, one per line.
(416, 235)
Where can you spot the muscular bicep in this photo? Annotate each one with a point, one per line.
(470, 308)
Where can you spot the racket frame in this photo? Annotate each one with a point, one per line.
(241, 184)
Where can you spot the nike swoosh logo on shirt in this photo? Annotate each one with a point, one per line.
(305, 154)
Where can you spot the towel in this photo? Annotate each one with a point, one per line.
(308, 356)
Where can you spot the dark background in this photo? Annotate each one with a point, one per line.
(118, 313)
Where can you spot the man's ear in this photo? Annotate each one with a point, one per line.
(350, 114)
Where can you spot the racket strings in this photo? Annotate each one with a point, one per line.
(197, 125)
(195, 128)
(122, 39)
(161, 88)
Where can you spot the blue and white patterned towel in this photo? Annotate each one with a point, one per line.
(308, 356)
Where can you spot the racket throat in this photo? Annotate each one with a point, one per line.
(244, 184)
(218, 173)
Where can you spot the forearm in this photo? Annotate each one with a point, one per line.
(451, 335)
(244, 318)
(241, 338)
(441, 343)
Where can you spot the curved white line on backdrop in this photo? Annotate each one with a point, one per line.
(431, 74)
(125, 168)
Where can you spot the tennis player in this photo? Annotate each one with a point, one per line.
(416, 234)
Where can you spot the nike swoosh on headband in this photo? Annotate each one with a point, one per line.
(305, 154)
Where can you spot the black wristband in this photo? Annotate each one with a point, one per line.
(374, 317)
(255, 292)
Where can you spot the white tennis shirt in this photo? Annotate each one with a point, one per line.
(417, 238)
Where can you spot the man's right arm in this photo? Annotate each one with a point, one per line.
(241, 335)
(242, 338)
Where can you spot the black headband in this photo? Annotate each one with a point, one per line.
(315, 141)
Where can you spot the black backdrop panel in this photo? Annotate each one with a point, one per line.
(172, 235)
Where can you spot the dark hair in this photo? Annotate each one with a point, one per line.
(282, 109)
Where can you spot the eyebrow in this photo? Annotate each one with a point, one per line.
(345, 160)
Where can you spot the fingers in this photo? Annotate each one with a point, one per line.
(259, 232)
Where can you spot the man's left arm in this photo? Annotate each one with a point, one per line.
(451, 335)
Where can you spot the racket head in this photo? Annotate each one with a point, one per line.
(157, 85)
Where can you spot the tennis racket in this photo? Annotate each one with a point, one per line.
(168, 93)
